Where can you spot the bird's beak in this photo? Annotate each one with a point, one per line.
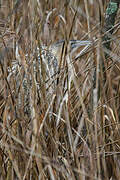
(57, 48)
(79, 43)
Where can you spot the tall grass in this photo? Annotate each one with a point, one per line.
(65, 126)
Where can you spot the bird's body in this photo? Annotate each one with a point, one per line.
(46, 70)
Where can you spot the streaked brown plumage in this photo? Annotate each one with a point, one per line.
(43, 71)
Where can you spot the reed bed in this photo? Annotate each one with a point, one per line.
(65, 126)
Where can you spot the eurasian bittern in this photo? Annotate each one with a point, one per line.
(46, 70)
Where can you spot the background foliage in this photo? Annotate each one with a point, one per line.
(71, 132)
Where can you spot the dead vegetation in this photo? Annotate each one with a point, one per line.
(65, 127)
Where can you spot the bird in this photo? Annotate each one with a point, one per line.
(46, 70)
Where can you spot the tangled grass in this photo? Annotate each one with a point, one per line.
(64, 126)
